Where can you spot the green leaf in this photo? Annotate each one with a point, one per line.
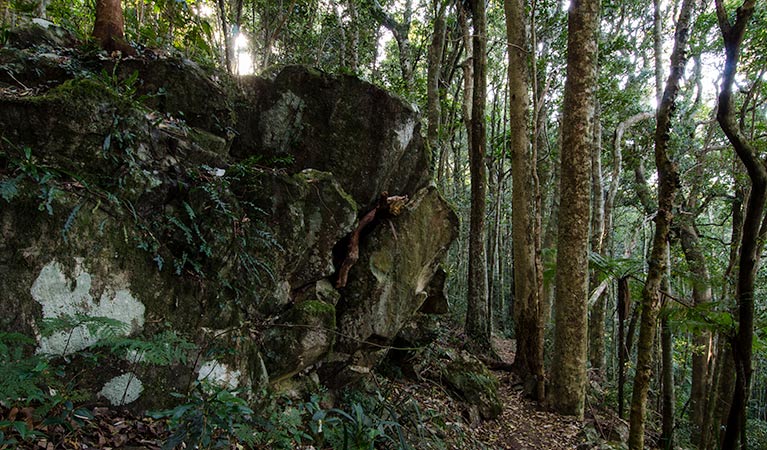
(9, 188)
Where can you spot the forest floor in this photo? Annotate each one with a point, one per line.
(442, 421)
(523, 424)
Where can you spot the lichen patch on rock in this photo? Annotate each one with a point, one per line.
(219, 374)
(123, 389)
(61, 295)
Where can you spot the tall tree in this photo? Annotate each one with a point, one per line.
(434, 70)
(477, 313)
(752, 239)
(526, 232)
(668, 184)
(568, 380)
(597, 312)
(400, 29)
(109, 27)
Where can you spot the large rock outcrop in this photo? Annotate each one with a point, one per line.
(217, 212)
(369, 139)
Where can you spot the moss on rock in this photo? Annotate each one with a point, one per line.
(474, 383)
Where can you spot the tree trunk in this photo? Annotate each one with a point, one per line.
(597, 313)
(667, 378)
(434, 110)
(753, 228)
(528, 277)
(477, 314)
(108, 28)
(668, 184)
(353, 36)
(701, 294)
(568, 381)
(624, 306)
(401, 32)
(227, 34)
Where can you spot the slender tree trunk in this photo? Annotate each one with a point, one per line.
(227, 33)
(477, 314)
(568, 381)
(753, 228)
(624, 306)
(667, 371)
(668, 184)
(468, 71)
(701, 294)
(722, 380)
(550, 234)
(353, 35)
(597, 316)
(434, 110)
(528, 319)
(401, 32)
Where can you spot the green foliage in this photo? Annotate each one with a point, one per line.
(163, 349)
(27, 168)
(37, 380)
(357, 429)
(210, 417)
(756, 433)
(29, 379)
(21, 373)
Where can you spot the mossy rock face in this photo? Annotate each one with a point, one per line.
(69, 125)
(129, 207)
(389, 282)
(474, 383)
(309, 213)
(303, 335)
(180, 88)
(369, 139)
(39, 33)
(36, 69)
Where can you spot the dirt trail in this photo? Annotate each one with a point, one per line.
(523, 424)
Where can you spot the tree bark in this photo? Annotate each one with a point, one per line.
(401, 32)
(434, 70)
(109, 27)
(228, 41)
(701, 294)
(568, 381)
(477, 314)
(597, 313)
(668, 397)
(528, 276)
(624, 306)
(668, 184)
(753, 228)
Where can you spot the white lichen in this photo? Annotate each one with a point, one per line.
(219, 374)
(123, 389)
(405, 134)
(60, 296)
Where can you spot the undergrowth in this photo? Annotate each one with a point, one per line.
(37, 399)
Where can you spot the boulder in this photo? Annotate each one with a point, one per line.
(309, 214)
(39, 33)
(179, 88)
(130, 209)
(389, 282)
(473, 382)
(366, 137)
(301, 336)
